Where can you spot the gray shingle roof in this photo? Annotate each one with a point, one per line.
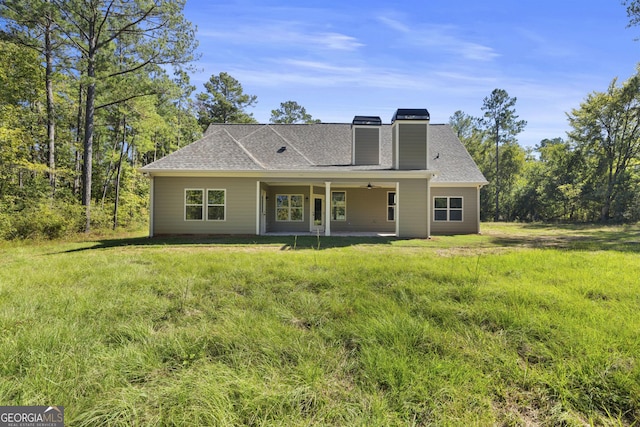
(310, 147)
(449, 157)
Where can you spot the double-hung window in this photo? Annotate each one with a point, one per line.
(289, 207)
(195, 201)
(193, 204)
(339, 206)
(391, 206)
(216, 206)
(447, 208)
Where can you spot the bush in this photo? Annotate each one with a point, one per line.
(53, 219)
(43, 220)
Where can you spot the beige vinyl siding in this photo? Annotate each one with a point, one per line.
(169, 206)
(366, 210)
(469, 223)
(411, 211)
(394, 146)
(413, 146)
(366, 145)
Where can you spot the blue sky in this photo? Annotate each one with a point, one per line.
(344, 58)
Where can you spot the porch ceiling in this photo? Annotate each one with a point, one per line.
(341, 184)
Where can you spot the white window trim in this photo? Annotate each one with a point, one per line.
(185, 204)
(224, 205)
(448, 208)
(289, 208)
(394, 206)
(345, 206)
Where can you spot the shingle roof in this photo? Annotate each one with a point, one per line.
(448, 156)
(309, 147)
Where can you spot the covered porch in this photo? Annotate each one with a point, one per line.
(345, 207)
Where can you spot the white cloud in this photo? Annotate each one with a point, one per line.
(331, 75)
(441, 38)
(280, 34)
(322, 66)
(445, 39)
(394, 24)
(334, 41)
(542, 46)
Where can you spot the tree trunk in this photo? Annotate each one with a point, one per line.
(87, 173)
(78, 157)
(119, 173)
(109, 171)
(497, 213)
(604, 215)
(51, 127)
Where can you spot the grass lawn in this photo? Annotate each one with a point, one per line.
(523, 325)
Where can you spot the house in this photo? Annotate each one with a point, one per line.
(409, 178)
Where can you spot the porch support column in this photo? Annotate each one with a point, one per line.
(397, 212)
(429, 208)
(258, 213)
(327, 208)
(311, 208)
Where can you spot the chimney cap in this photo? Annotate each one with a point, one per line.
(367, 120)
(410, 114)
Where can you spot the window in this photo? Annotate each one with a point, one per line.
(289, 207)
(193, 205)
(216, 207)
(339, 206)
(447, 209)
(391, 206)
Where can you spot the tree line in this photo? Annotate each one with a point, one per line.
(592, 175)
(91, 90)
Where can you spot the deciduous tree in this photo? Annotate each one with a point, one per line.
(607, 128)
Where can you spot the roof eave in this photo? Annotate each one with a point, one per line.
(320, 174)
(459, 183)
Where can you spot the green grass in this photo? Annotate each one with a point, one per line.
(523, 325)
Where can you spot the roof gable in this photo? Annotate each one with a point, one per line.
(217, 150)
(272, 150)
(450, 158)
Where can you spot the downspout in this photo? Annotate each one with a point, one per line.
(478, 209)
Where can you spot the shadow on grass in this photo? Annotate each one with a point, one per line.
(281, 242)
(573, 237)
(566, 237)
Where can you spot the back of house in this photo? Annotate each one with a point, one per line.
(409, 178)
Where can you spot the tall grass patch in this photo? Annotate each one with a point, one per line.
(163, 332)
